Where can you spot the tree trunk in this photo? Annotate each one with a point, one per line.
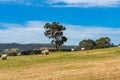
(57, 48)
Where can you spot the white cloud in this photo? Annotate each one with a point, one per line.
(7, 0)
(30, 32)
(67, 3)
(16, 1)
(24, 2)
(85, 3)
(76, 33)
(33, 32)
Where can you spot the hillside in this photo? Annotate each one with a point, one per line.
(98, 64)
(31, 46)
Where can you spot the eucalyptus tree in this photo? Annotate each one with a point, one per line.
(54, 31)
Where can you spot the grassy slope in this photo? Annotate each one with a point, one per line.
(99, 64)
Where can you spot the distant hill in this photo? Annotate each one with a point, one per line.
(31, 46)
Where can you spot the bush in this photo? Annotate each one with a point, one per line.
(31, 52)
(52, 50)
(37, 52)
(25, 53)
(12, 54)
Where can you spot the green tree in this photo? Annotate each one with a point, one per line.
(103, 42)
(87, 44)
(55, 31)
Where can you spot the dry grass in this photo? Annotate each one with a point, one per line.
(57, 67)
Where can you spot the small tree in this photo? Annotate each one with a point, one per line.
(55, 31)
(103, 42)
(87, 44)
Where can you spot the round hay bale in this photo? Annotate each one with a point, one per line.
(4, 56)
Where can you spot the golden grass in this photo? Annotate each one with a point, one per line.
(107, 68)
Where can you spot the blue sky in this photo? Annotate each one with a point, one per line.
(22, 21)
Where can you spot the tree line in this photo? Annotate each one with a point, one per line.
(55, 30)
(103, 42)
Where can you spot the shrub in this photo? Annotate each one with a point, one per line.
(52, 50)
(37, 52)
(31, 52)
(12, 54)
(25, 53)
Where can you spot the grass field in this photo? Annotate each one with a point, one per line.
(98, 64)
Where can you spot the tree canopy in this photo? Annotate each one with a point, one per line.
(103, 42)
(87, 44)
(55, 31)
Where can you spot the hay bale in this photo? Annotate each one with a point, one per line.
(72, 49)
(82, 49)
(45, 52)
(4, 56)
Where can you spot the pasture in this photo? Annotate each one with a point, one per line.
(98, 64)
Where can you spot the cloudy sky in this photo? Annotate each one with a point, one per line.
(22, 21)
